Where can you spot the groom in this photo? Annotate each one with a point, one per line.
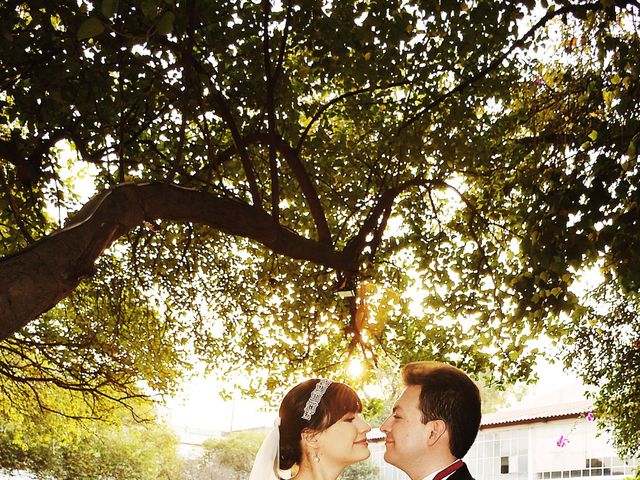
(433, 423)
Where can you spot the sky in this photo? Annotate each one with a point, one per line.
(201, 407)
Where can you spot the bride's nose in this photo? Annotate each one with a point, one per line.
(364, 426)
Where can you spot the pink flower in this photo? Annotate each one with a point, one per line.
(538, 81)
(590, 417)
(562, 441)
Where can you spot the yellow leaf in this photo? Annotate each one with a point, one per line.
(593, 135)
(631, 151)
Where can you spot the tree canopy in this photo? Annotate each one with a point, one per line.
(458, 165)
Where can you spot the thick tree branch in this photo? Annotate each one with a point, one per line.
(35, 279)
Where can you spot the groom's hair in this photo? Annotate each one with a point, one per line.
(447, 394)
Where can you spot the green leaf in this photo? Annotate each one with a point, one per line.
(109, 7)
(165, 24)
(91, 27)
(149, 8)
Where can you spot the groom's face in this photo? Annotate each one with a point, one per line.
(406, 434)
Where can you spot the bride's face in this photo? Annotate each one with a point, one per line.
(345, 441)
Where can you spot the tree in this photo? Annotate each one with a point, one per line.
(52, 446)
(252, 159)
(229, 458)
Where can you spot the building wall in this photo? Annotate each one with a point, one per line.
(532, 452)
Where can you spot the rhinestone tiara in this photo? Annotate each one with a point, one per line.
(314, 400)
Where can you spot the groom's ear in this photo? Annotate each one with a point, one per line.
(310, 437)
(437, 429)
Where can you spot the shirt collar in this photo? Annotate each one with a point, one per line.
(432, 475)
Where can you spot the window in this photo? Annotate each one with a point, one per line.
(504, 464)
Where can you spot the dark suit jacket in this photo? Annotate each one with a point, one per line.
(461, 474)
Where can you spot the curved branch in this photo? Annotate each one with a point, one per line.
(381, 209)
(292, 158)
(271, 114)
(283, 43)
(35, 279)
(223, 110)
(308, 189)
(340, 98)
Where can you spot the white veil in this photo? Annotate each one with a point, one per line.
(266, 464)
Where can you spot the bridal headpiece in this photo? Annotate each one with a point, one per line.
(266, 465)
(314, 400)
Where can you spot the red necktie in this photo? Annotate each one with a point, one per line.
(449, 470)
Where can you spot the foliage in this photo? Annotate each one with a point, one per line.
(234, 452)
(92, 355)
(53, 447)
(208, 467)
(456, 164)
(360, 471)
(373, 410)
(609, 329)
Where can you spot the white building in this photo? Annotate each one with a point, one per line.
(547, 442)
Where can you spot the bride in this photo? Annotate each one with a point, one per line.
(320, 432)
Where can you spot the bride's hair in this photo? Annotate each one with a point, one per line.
(338, 400)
